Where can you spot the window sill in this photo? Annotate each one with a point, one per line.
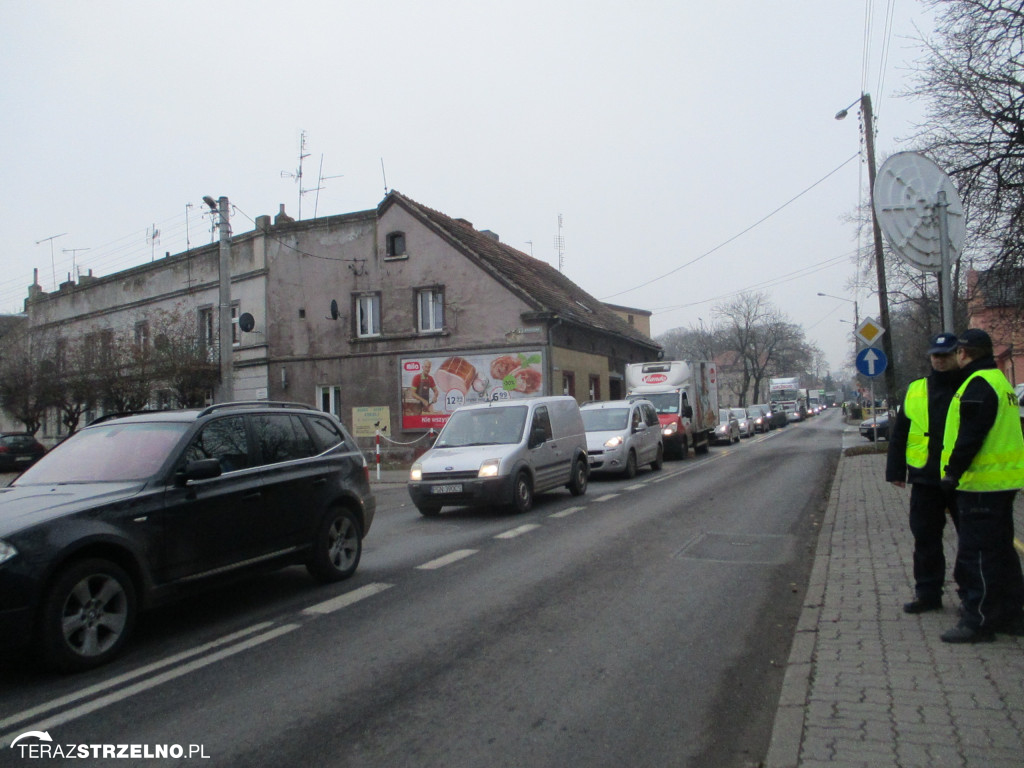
(397, 257)
(399, 336)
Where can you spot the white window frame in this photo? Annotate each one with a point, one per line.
(430, 308)
(367, 315)
(328, 399)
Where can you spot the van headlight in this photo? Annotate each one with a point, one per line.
(416, 473)
(670, 429)
(489, 468)
(7, 551)
(613, 442)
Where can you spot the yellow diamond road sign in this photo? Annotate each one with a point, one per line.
(869, 331)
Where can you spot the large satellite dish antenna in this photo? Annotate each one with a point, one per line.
(920, 214)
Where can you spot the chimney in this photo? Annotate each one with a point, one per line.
(282, 217)
(492, 235)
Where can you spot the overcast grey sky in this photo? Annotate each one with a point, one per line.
(660, 131)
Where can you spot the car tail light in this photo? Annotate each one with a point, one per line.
(4, 449)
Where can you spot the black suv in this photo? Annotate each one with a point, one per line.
(133, 508)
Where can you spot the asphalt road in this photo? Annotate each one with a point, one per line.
(644, 624)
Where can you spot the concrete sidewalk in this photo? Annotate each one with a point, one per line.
(867, 685)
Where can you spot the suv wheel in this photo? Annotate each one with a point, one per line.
(87, 615)
(522, 493)
(337, 547)
(659, 458)
(580, 474)
(630, 471)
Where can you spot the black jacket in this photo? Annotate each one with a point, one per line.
(942, 385)
(979, 405)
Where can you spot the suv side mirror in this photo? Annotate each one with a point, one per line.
(203, 469)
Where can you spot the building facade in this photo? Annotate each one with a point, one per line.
(394, 315)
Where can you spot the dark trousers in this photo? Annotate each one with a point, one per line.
(988, 569)
(928, 505)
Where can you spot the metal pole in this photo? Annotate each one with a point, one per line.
(946, 268)
(227, 388)
(883, 294)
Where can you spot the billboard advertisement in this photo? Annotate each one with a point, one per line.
(433, 387)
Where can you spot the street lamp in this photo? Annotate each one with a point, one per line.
(856, 311)
(883, 294)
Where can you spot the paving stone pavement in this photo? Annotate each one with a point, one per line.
(867, 685)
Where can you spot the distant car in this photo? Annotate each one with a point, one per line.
(877, 426)
(622, 435)
(760, 418)
(728, 429)
(745, 422)
(776, 417)
(134, 509)
(18, 451)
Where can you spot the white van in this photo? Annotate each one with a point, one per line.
(502, 453)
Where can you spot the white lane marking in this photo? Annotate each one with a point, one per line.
(635, 486)
(448, 559)
(567, 512)
(517, 531)
(345, 600)
(607, 497)
(145, 685)
(113, 682)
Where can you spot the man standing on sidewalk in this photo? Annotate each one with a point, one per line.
(983, 459)
(915, 449)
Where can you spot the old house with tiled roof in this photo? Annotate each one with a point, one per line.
(392, 316)
(995, 303)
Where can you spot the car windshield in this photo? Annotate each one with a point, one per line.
(755, 413)
(107, 453)
(483, 426)
(723, 415)
(667, 402)
(605, 419)
(739, 413)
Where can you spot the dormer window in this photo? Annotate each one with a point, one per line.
(395, 244)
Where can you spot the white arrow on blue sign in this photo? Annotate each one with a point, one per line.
(871, 362)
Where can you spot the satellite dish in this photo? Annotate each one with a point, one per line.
(246, 322)
(906, 197)
(334, 309)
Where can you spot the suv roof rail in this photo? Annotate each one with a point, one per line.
(122, 414)
(254, 404)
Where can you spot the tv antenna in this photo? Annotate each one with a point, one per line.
(53, 264)
(73, 252)
(560, 245)
(153, 236)
(385, 177)
(298, 173)
(320, 179)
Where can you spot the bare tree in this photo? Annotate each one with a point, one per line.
(973, 80)
(26, 378)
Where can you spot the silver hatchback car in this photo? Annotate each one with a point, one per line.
(622, 435)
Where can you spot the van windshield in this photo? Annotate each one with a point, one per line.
(484, 426)
(667, 402)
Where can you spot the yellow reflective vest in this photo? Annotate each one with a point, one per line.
(999, 465)
(915, 407)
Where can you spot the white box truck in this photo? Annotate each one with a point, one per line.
(685, 395)
(785, 394)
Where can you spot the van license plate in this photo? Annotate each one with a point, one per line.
(446, 489)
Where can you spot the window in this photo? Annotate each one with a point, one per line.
(329, 399)
(282, 438)
(595, 387)
(368, 315)
(569, 383)
(395, 244)
(326, 434)
(430, 314)
(206, 334)
(142, 334)
(224, 440)
(542, 420)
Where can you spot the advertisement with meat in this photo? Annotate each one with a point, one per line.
(433, 387)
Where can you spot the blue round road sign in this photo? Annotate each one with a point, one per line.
(871, 362)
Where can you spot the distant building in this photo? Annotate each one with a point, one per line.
(995, 304)
(399, 312)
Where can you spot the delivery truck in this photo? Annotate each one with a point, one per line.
(786, 394)
(685, 395)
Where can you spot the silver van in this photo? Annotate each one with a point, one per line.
(502, 453)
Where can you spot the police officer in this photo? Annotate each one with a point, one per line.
(915, 448)
(983, 459)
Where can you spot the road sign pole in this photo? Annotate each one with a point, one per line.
(946, 266)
